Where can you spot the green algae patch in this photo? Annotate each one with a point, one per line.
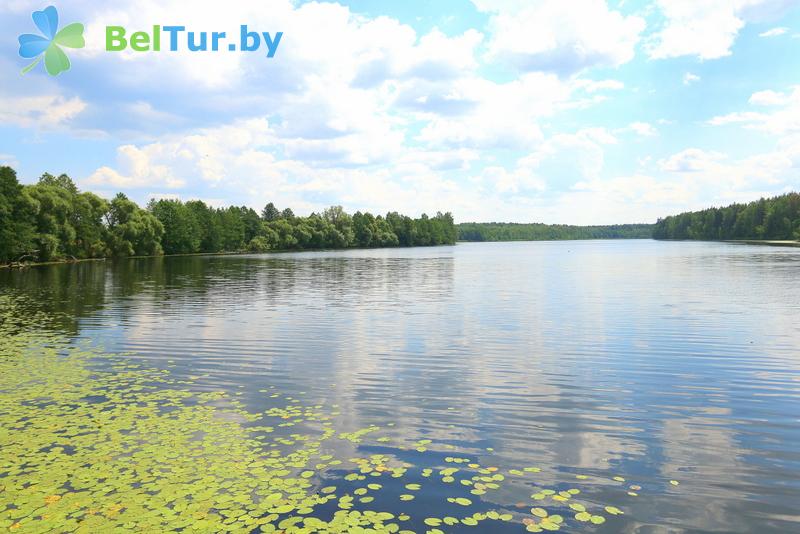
(92, 443)
(90, 448)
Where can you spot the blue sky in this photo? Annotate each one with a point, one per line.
(585, 112)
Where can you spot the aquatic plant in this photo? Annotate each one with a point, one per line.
(93, 443)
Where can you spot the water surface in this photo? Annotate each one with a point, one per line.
(652, 361)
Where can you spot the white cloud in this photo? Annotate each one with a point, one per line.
(245, 161)
(321, 41)
(719, 174)
(145, 112)
(635, 198)
(41, 112)
(784, 119)
(637, 189)
(437, 56)
(561, 37)
(690, 179)
(690, 160)
(690, 78)
(522, 179)
(478, 113)
(592, 86)
(706, 29)
(497, 115)
(644, 129)
(362, 111)
(750, 118)
(8, 160)
(211, 155)
(563, 157)
(562, 180)
(248, 157)
(774, 32)
(769, 98)
(333, 85)
(370, 113)
(576, 154)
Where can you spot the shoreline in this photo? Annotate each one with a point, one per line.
(762, 242)
(14, 265)
(765, 242)
(555, 240)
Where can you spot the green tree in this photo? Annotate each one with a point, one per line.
(68, 222)
(270, 213)
(284, 231)
(54, 219)
(382, 234)
(208, 222)
(55, 234)
(252, 223)
(775, 218)
(403, 227)
(132, 230)
(343, 226)
(363, 228)
(17, 217)
(258, 244)
(61, 182)
(232, 229)
(183, 233)
(87, 220)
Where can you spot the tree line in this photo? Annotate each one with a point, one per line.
(549, 232)
(53, 220)
(776, 218)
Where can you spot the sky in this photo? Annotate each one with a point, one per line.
(579, 112)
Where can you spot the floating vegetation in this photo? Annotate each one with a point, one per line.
(91, 443)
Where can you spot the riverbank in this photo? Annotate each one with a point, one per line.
(762, 242)
(765, 242)
(25, 265)
(16, 265)
(771, 243)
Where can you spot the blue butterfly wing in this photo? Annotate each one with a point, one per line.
(47, 21)
(32, 45)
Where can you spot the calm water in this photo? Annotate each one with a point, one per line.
(652, 360)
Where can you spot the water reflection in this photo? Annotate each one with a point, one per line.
(658, 360)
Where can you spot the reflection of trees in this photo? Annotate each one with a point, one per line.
(64, 292)
(75, 291)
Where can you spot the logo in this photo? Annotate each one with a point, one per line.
(48, 45)
(193, 41)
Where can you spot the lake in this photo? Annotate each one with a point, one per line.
(586, 386)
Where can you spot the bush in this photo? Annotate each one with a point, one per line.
(258, 244)
(48, 247)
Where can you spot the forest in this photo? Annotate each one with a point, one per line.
(549, 232)
(776, 218)
(52, 220)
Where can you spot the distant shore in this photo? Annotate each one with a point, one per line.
(767, 242)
